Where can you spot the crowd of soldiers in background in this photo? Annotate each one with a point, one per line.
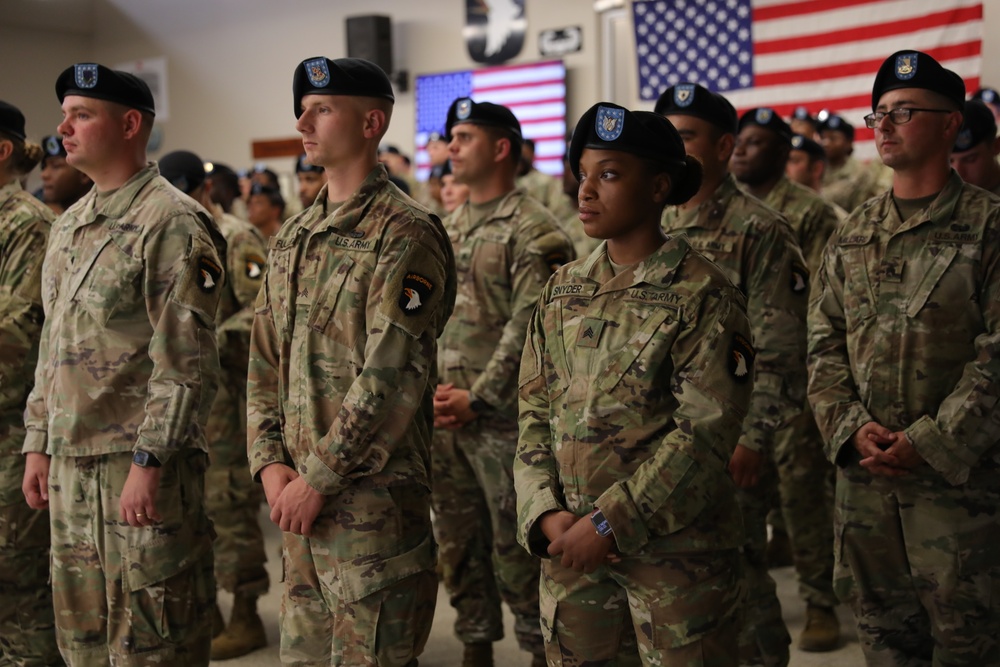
(769, 155)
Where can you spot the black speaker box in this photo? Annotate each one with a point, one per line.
(370, 37)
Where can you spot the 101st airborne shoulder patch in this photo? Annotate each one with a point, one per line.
(555, 259)
(209, 274)
(741, 357)
(415, 293)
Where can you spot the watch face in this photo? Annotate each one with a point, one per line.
(141, 459)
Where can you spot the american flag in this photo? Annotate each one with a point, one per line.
(788, 53)
(536, 93)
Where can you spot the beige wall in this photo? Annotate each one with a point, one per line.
(231, 62)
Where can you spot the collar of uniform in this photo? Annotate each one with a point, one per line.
(121, 201)
(505, 208)
(8, 191)
(939, 212)
(779, 194)
(350, 213)
(712, 211)
(658, 269)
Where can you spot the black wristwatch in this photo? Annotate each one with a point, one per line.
(144, 459)
(477, 405)
(601, 524)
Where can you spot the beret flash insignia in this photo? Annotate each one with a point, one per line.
(609, 123)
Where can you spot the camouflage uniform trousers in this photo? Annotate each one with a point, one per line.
(233, 501)
(806, 481)
(764, 632)
(129, 596)
(919, 562)
(475, 517)
(27, 631)
(681, 610)
(331, 613)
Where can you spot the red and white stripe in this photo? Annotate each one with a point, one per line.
(536, 94)
(824, 55)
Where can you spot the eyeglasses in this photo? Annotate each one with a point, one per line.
(897, 116)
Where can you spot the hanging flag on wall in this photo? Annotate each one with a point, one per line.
(790, 53)
(494, 30)
(535, 92)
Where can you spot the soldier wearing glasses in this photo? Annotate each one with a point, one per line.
(904, 350)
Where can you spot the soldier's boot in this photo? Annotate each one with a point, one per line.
(478, 654)
(779, 549)
(218, 623)
(822, 631)
(245, 632)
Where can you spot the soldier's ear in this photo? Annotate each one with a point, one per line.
(6, 149)
(662, 184)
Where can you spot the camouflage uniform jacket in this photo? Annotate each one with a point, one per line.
(343, 355)
(24, 231)
(755, 248)
(849, 185)
(812, 218)
(905, 330)
(245, 262)
(128, 356)
(503, 261)
(633, 391)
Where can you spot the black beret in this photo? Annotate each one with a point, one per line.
(436, 136)
(766, 117)
(465, 110)
(102, 83)
(987, 95)
(691, 99)
(811, 148)
(915, 69)
(802, 113)
(302, 165)
(438, 170)
(11, 120)
(53, 147)
(978, 125)
(607, 126)
(184, 170)
(834, 122)
(344, 76)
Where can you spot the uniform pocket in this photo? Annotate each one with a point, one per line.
(110, 287)
(641, 371)
(327, 302)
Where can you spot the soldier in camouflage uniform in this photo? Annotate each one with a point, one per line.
(806, 163)
(904, 356)
(343, 364)
(231, 497)
(974, 155)
(634, 383)
(847, 182)
(756, 249)
(27, 634)
(805, 477)
(506, 247)
(127, 372)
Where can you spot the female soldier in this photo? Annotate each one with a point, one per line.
(27, 635)
(634, 383)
